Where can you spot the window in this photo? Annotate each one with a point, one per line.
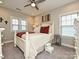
(67, 24)
(18, 24)
(15, 24)
(23, 25)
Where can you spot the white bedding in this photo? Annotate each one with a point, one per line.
(38, 39)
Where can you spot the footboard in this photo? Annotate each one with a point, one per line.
(20, 43)
(25, 46)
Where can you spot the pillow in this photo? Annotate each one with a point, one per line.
(19, 34)
(44, 30)
(37, 29)
(48, 24)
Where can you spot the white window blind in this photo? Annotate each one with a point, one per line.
(67, 24)
(18, 24)
(23, 25)
(15, 24)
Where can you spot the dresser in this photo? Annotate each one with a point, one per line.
(1, 55)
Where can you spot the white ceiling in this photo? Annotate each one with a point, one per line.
(44, 6)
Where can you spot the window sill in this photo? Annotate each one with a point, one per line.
(68, 36)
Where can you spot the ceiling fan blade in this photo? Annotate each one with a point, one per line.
(32, 1)
(36, 7)
(27, 5)
(40, 1)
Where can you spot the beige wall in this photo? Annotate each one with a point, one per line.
(70, 8)
(55, 17)
(30, 23)
(6, 14)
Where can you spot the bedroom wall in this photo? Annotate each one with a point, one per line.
(6, 14)
(55, 16)
(38, 20)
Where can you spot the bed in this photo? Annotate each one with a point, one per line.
(33, 43)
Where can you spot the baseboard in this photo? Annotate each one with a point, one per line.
(68, 45)
(8, 42)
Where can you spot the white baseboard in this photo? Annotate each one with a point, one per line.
(67, 45)
(8, 42)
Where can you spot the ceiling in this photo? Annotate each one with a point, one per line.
(44, 6)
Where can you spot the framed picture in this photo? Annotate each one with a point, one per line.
(46, 18)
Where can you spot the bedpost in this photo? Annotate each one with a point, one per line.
(27, 46)
(29, 52)
(15, 38)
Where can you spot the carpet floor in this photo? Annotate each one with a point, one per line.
(60, 52)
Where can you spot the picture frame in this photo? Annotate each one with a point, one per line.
(46, 18)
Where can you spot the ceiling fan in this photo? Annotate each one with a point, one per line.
(34, 3)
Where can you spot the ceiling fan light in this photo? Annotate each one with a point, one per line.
(33, 5)
(1, 2)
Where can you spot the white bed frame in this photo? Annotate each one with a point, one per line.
(24, 45)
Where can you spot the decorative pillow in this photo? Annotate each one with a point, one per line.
(48, 24)
(37, 29)
(44, 30)
(19, 34)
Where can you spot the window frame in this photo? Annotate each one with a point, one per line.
(15, 25)
(67, 25)
(23, 25)
(19, 24)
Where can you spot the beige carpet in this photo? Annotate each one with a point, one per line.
(60, 52)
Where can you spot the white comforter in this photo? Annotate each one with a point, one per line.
(38, 39)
